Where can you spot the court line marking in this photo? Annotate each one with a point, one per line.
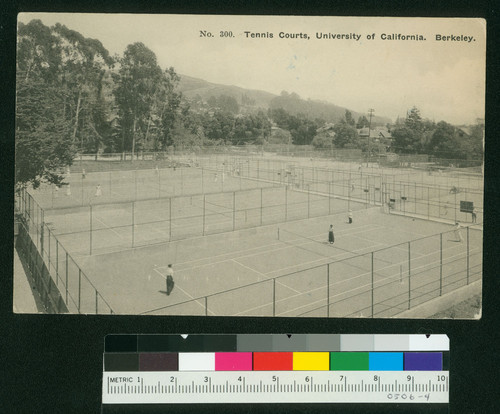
(279, 243)
(183, 291)
(265, 277)
(323, 287)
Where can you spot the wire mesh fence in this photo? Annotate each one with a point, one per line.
(382, 283)
(65, 288)
(124, 225)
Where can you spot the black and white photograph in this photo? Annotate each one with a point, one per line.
(264, 166)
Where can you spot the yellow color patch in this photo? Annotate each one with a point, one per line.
(311, 361)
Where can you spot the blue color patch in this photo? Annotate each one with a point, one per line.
(386, 361)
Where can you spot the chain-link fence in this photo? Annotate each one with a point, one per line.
(62, 284)
(382, 283)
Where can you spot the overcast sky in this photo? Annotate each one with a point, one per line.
(444, 79)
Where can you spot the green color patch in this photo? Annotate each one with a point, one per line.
(349, 361)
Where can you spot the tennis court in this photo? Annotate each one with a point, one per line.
(253, 272)
(248, 237)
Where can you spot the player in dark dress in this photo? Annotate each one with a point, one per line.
(331, 237)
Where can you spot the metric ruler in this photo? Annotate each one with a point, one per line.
(275, 387)
(200, 369)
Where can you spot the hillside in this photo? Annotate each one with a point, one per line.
(292, 103)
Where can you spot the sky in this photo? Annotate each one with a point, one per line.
(444, 79)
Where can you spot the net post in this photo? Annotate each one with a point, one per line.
(82, 189)
(440, 264)
(468, 255)
(90, 230)
(328, 290)
(373, 282)
(274, 296)
(202, 181)
(133, 222)
(79, 288)
(96, 302)
(203, 230)
(409, 276)
(234, 209)
(206, 305)
(67, 264)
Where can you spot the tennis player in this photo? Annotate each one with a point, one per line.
(331, 236)
(170, 279)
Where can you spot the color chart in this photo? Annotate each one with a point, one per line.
(186, 369)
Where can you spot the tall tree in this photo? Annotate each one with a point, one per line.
(43, 144)
(138, 82)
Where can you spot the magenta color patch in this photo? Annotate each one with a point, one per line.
(233, 361)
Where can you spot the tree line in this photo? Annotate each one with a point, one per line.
(73, 96)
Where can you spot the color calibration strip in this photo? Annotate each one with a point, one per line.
(274, 361)
(167, 369)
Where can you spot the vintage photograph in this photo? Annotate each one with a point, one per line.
(273, 166)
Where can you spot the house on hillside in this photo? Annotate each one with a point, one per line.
(380, 138)
(327, 129)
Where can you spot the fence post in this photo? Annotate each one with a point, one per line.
(67, 263)
(261, 206)
(455, 206)
(90, 231)
(373, 283)
(57, 262)
(440, 264)
(133, 222)
(159, 183)
(170, 219)
(203, 231)
(234, 209)
(286, 202)
(135, 184)
(468, 254)
(328, 290)
(274, 296)
(79, 288)
(409, 276)
(308, 201)
(202, 186)
(48, 230)
(329, 198)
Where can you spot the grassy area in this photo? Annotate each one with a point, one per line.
(468, 309)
